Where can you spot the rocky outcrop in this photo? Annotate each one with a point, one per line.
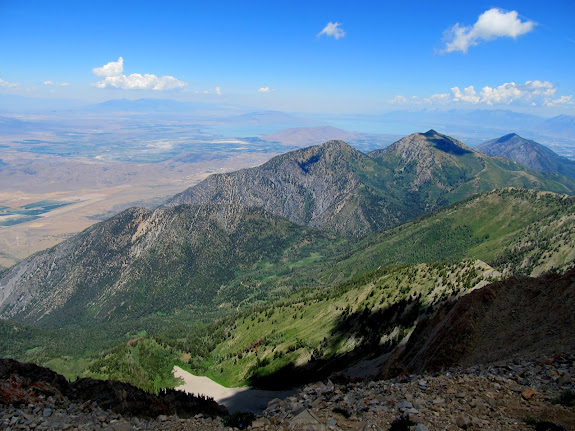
(24, 384)
(495, 397)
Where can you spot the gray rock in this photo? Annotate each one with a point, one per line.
(404, 405)
(463, 422)
(306, 421)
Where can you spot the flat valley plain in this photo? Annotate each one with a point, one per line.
(88, 169)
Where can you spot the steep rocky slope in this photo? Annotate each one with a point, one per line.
(143, 262)
(529, 153)
(516, 317)
(500, 397)
(315, 186)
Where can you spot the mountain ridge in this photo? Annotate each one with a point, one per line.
(142, 261)
(153, 259)
(335, 187)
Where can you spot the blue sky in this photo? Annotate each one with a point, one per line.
(315, 56)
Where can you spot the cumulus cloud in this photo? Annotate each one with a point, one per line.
(441, 98)
(332, 29)
(61, 84)
(467, 95)
(218, 91)
(112, 74)
(113, 68)
(490, 25)
(7, 84)
(401, 100)
(563, 100)
(534, 93)
(264, 90)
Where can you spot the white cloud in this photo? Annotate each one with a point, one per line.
(490, 25)
(538, 92)
(218, 91)
(563, 100)
(399, 100)
(534, 93)
(531, 91)
(264, 90)
(332, 29)
(441, 98)
(112, 73)
(468, 95)
(7, 84)
(61, 84)
(113, 68)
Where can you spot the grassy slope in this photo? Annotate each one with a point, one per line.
(331, 322)
(516, 231)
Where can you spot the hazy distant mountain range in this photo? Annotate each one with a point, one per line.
(472, 125)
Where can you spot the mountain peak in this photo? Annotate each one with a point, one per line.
(336, 145)
(430, 133)
(423, 145)
(508, 137)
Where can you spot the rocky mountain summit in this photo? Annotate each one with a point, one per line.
(317, 186)
(529, 153)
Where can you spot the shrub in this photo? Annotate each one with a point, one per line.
(401, 424)
(543, 425)
(566, 398)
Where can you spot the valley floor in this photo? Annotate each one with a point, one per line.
(497, 397)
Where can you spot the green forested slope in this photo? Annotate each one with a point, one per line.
(338, 305)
